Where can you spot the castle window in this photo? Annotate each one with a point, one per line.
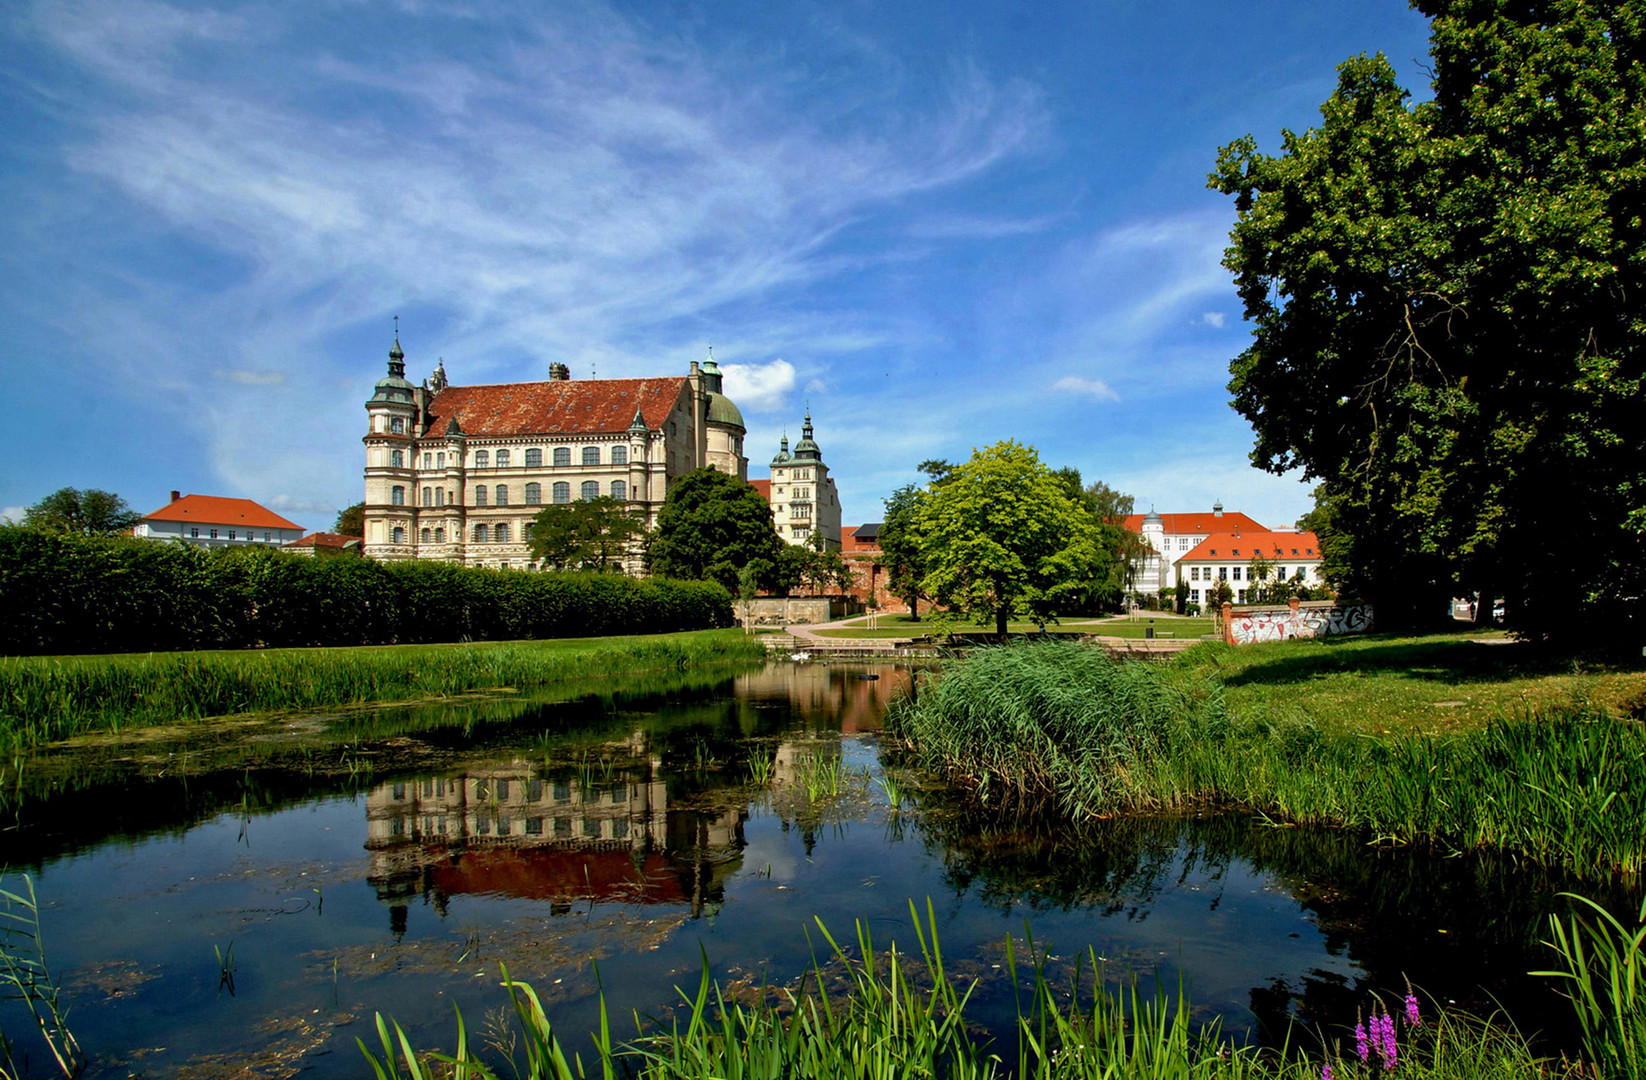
(620, 455)
(620, 490)
(397, 459)
(534, 459)
(591, 489)
(502, 494)
(426, 536)
(397, 426)
(480, 495)
(534, 494)
(503, 533)
(591, 455)
(502, 459)
(428, 497)
(398, 536)
(481, 532)
(428, 461)
(440, 536)
(562, 455)
(562, 492)
(397, 496)
(482, 459)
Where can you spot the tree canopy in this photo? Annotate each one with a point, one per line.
(1446, 301)
(590, 534)
(88, 513)
(900, 548)
(711, 526)
(1002, 536)
(351, 521)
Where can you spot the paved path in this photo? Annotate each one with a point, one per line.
(806, 638)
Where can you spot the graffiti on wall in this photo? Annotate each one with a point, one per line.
(1282, 624)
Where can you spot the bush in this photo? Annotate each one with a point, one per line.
(75, 594)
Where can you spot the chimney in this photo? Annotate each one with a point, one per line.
(176, 495)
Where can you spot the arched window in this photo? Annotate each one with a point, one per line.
(428, 497)
(620, 490)
(620, 455)
(440, 536)
(398, 536)
(397, 426)
(503, 533)
(482, 459)
(397, 496)
(591, 489)
(480, 534)
(397, 459)
(591, 455)
(480, 495)
(428, 461)
(562, 492)
(426, 535)
(562, 455)
(502, 459)
(534, 459)
(502, 494)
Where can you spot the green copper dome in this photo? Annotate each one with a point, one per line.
(722, 411)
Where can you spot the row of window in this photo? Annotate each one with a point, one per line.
(498, 495)
(534, 458)
(234, 534)
(483, 534)
(1232, 573)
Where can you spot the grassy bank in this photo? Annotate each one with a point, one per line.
(891, 1014)
(43, 699)
(1562, 783)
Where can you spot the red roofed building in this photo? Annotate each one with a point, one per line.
(325, 543)
(1227, 556)
(214, 521)
(1171, 536)
(459, 472)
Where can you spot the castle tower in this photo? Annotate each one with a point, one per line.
(805, 505)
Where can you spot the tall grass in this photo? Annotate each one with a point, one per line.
(1068, 727)
(902, 1015)
(1604, 969)
(44, 699)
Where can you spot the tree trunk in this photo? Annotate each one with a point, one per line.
(1000, 624)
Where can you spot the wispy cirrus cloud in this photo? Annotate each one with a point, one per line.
(1096, 388)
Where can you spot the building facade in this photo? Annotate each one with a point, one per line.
(1169, 537)
(805, 505)
(459, 472)
(214, 521)
(1228, 556)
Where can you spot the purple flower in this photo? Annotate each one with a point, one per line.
(1383, 1030)
(1412, 1016)
(1325, 1070)
(1361, 1047)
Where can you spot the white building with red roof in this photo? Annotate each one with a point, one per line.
(215, 521)
(459, 472)
(1230, 557)
(1169, 537)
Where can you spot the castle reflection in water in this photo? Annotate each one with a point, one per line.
(564, 835)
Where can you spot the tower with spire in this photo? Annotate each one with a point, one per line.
(805, 505)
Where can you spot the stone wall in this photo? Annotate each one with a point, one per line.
(1311, 619)
(796, 610)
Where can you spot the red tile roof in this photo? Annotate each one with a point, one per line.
(216, 510)
(1207, 523)
(325, 540)
(764, 487)
(1242, 546)
(556, 407)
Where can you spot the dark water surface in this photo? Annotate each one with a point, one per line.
(622, 833)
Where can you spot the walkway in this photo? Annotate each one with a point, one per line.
(803, 638)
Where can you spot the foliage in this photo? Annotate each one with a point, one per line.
(351, 521)
(900, 549)
(1603, 964)
(88, 513)
(25, 977)
(711, 526)
(1001, 535)
(590, 534)
(1447, 309)
(72, 594)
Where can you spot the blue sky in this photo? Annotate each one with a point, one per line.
(939, 225)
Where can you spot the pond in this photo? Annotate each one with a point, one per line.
(248, 895)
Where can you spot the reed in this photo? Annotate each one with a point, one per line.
(45, 699)
(1064, 727)
(1603, 964)
(24, 976)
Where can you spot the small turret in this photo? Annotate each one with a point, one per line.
(783, 456)
(806, 449)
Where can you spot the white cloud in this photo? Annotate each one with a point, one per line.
(252, 378)
(1213, 318)
(759, 387)
(13, 514)
(1096, 388)
(292, 504)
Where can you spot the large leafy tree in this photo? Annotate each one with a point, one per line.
(1447, 309)
(351, 521)
(901, 552)
(711, 526)
(590, 534)
(89, 513)
(1002, 536)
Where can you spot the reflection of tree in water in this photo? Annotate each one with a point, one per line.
(1465, 930)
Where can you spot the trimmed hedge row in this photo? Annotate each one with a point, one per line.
(73, 594)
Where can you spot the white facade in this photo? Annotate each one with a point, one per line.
(216, 521)
(1227, 557)
(804, 502)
